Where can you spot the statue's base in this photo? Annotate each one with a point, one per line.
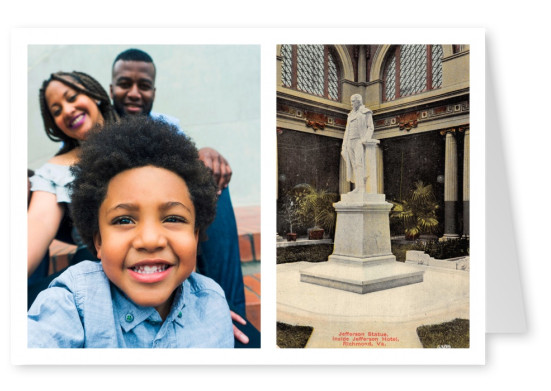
(362, 260)
(366, 276)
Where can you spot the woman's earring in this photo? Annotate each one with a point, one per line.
(98, 102)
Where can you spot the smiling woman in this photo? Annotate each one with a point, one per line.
(72, 104)
(72, 86)
(74, 113)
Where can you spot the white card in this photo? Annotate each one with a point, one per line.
(267, 39)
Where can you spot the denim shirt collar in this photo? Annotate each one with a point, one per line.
(131, 315)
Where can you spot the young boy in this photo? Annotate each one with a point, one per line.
(140, 198)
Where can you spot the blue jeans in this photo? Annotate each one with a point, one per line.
(41, 271)
(219, 256)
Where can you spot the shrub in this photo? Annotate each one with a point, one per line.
(445, 249)
(311, 253)
(454, 334)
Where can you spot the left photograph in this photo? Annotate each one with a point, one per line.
(143, 209)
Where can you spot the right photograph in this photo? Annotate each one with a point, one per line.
(373, 196)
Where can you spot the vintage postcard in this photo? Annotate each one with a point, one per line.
(374, 187)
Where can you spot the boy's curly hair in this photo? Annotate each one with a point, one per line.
(136, 141)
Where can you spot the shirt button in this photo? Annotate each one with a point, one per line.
(129, 318)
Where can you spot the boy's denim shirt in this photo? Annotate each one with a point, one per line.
(82, 309)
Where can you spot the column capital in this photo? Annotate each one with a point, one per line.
(444, 132)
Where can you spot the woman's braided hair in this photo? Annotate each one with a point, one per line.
(85, 84)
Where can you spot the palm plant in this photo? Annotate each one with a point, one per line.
(317, 206)
(417, 212)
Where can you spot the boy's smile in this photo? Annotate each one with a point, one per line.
(147, 240)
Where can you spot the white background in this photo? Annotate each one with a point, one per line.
(518, 63)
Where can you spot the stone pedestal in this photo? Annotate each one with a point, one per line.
(371, 167)
(362, 260)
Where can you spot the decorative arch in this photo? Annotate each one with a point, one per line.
(379, 58)
(340, 59)
(346, 62)
(415, 69)
(344, 57)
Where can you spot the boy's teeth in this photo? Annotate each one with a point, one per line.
(150, 269)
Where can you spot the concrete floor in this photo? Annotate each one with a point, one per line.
(336, 315)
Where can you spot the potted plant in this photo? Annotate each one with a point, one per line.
(317, 205)
(417, 212)
(291, 212)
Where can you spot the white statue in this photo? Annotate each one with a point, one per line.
(359, 130)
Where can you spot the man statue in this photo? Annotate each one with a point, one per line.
(359, 130)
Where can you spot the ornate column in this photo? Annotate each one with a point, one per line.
(450, 185)
(466, 183)
(362, 64)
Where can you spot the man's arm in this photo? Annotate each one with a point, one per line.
(210, 157)
(218, 165)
